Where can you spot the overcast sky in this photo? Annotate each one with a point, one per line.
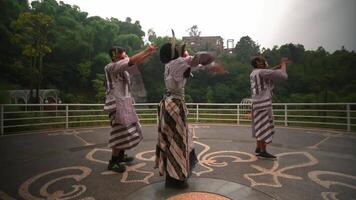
(313, 23)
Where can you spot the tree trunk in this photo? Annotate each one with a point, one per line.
(39, 81)
(38, 70)
(30, 100)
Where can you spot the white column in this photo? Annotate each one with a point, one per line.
(238, 114)
(2, 119)
(197, 113)
(285, 115)
(67, 117)
(348, 117)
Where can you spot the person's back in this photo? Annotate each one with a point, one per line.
(261, 86)
(261, 80)
(117, 83)
(126, 130)
(174, 78)
(175, 155)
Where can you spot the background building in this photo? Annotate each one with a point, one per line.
(205, 43)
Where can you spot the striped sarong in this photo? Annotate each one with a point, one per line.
(124, 137)
(174, 151)
(262, 120)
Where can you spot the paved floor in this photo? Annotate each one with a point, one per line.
(311, 165)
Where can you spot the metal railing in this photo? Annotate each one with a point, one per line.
(26, 117)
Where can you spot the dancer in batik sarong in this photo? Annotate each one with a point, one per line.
(175, 155)
(125, 128)
(262, 80)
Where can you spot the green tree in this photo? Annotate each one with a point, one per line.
(79, 46)
(83, 71)
(194, 31)
(10, 53)
(151, 35)
(245, 49)
(130, 42)
(98, 85)
(31, 33)
(209, 95)
(98, 64)
(152, 73)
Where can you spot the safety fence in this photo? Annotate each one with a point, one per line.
(28, 117)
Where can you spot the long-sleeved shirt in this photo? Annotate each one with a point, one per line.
(262, 115)
(262, 85)
(117, 82)
(174, 72)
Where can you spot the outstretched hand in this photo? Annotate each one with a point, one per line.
(142, 55)
(151, 48)
(285, 61)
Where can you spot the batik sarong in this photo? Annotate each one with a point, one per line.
(174, 151)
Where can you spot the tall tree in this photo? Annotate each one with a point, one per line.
(9, 10)
(194, 31)
(31, 33)
(245, 49)
(151, 35)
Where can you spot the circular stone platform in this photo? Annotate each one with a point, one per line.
(198, 196)
(199, 188)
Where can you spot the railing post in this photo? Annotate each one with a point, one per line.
(197, 113)
(348, 117)
(285, 115)
(238, 114)
(67, 117)
(2, 120)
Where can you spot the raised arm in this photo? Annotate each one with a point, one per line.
(141, 56)
(124, 64)
(119, 66)
(283, 63)
(274, 74)
(277, 73)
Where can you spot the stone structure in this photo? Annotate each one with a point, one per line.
(230, 46)
(205, 43)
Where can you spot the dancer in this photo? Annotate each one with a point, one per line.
(125, 127)
(262, 85)
(175, 155)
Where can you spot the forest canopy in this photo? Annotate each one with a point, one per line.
(53, 45)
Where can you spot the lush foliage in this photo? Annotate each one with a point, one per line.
(56, 45)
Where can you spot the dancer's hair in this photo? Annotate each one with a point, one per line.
(114, 50)
(256, 60)
(166, 54)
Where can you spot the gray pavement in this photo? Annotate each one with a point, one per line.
(311, 165)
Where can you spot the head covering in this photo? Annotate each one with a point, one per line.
(170, 51)
(166, 54)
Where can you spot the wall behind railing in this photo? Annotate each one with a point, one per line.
(28, 117)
